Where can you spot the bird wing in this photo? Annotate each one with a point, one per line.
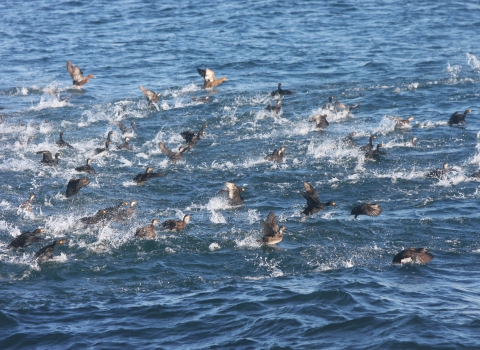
(187, 135)
(209, 75)
(311, 203)
(169, 224)
(371, 209)
(201, 72)
(150, 95)
(311, 192)
(267, 230)
(47, 155)
(272, 221)
(75, 72)
(165, 150)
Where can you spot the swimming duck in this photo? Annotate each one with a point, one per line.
(26, 239)
(313, 202)
(209, 77)
(147, 231)
(27, 205)
(75, 185)
(369, 146)
(277, 108)
(174, 156)
(370, 209)
(125, 145)
(320, 120)
(281, 92)
(439, 173)
(77, 75)
(103, 149)
(458, 118)
(234, 196)
(86, 168)
(272, 234)
(63, 143)
(47, 158)
(123, 215)
(376, 153)
(151, 96)
(46, 253)
(413, 255)
(340, 106)
(176, 224)
(100, 215)
(140, 179)
(277, 155)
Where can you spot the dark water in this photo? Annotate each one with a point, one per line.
(330, 282)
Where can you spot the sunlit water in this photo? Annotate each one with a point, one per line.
(330, 282)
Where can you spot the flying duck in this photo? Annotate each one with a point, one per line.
(413, 255)
(174, 156)
(140, 179)
(458, 118)
(278, 155)
(320, 120)
(313, 202)
(151, 96)
(234, 196)
(192, 138)
(77, 75)
(272, 234)
(281, 92)
(209, 77)
(370, 209)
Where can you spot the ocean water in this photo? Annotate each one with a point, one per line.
(330, 284)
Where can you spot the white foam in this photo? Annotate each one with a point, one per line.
(473, 62)
(214, 246)
(217, 218)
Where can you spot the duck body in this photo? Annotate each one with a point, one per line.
(281, 92)
(277, 155)
(272, 234)
(234, 193)
(209, 78)
(47, 159)
(321, 121)
(174, 156)
(313, 202)
(26, 239)
(457, 118)
(140, 179)
(87, 168)
(175, 225)
(151, 96)
(46, 253)
(77, 75)
(62, 143)
(75, 185)
(147, 231)
(413, 255)
(370, 209)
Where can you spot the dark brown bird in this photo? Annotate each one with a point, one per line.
(176, 224)
(103, 149)
(234, 196)
(192, 138)
(174, 156)
(376, 153)
(27, 205)
(370, 209)
(62, 143)
(124, 214)
(320, 120)
(125, 145)
(86, 168)
(109, 136)
(100, 215)
(413, 255)
(272, 234)
(151, 96)
(209, 77)
(26, 239)
(276, 109)
(77, 75)
(124, 129)
(458, 118)
(147, 231)
(439, 173)
(46, 253)
(369, 146)
(281, 92)
(75, 185)
(140, 179)
(47, 158)
(278, 155)
(313, 202)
